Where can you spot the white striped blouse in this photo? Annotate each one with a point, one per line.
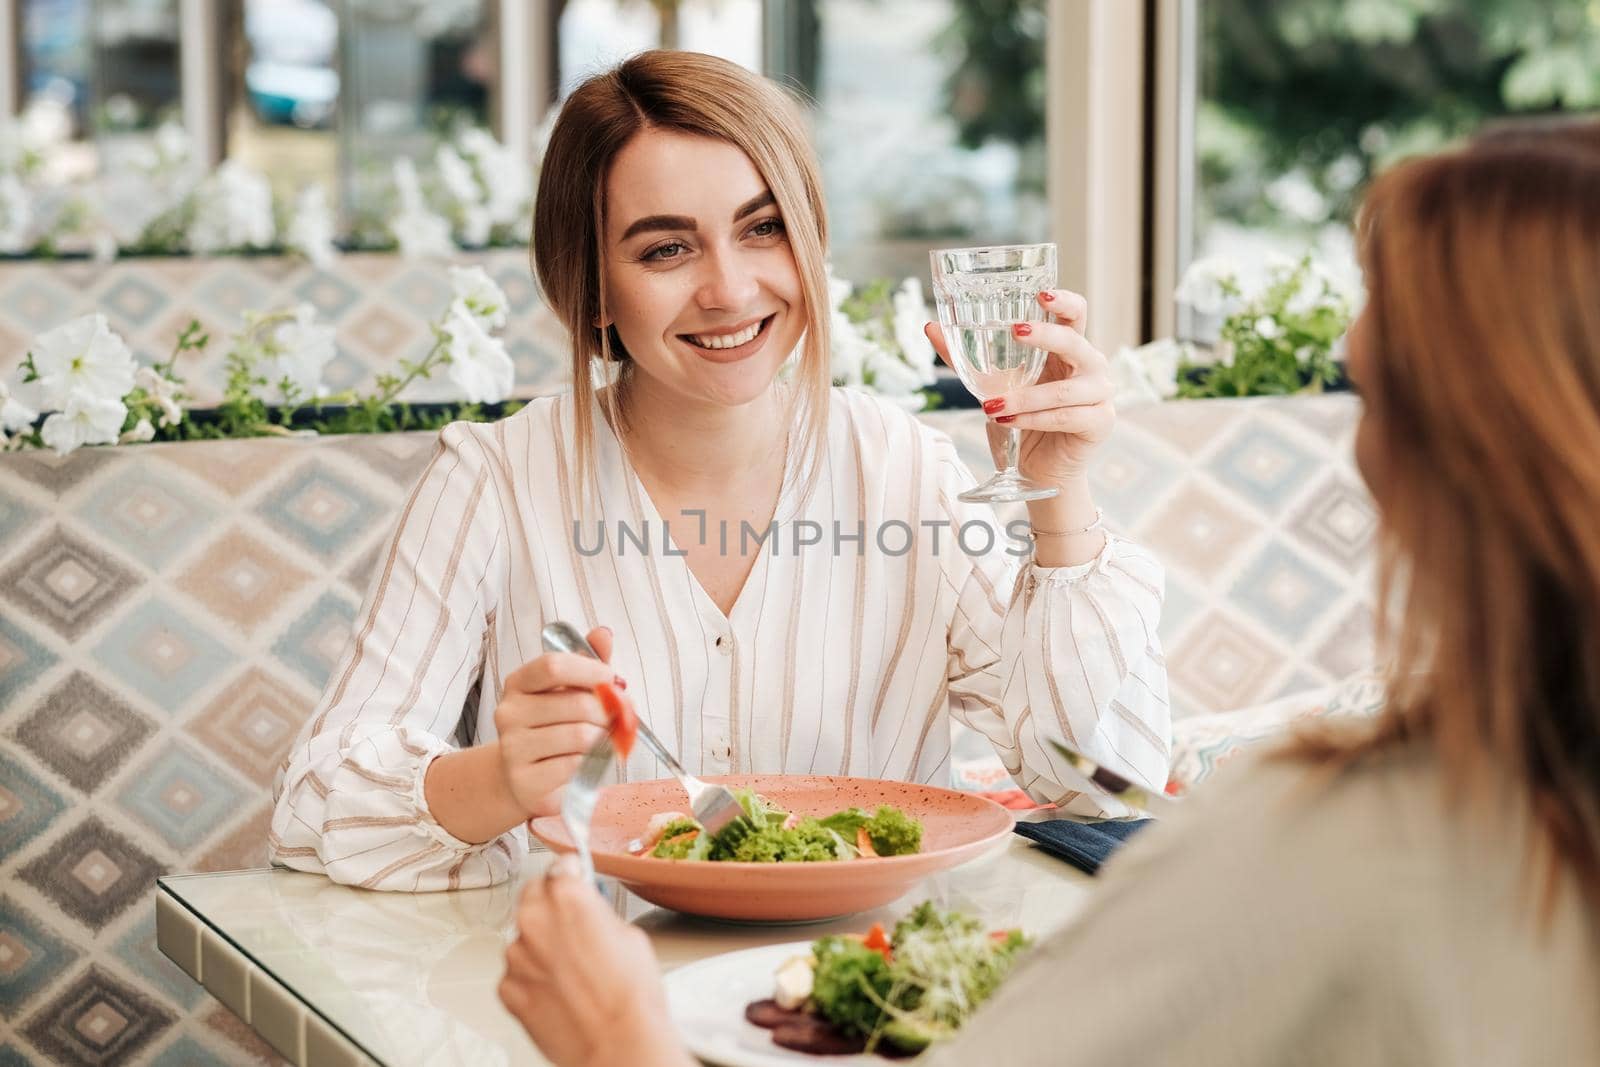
(844, 656)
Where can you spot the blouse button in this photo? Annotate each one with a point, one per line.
(725, 644)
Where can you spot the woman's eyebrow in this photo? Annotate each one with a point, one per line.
(684, 222)
(754, 204)
(659, 222)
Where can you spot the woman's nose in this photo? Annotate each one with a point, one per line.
(726, 283)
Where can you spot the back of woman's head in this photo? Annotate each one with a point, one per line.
(1481, 346)
(681, 92)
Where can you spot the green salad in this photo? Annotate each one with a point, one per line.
(785, 837)
(898, 993)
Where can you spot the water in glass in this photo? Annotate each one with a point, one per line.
(981, 293)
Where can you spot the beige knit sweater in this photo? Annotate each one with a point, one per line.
(1279, 922)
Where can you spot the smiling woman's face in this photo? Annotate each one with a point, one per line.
(700, 281)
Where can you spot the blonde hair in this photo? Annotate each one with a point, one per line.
(686, 92)
(1483, 267)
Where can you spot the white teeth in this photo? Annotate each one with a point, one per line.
(728, 340)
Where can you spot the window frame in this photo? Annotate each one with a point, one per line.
(1119, 222)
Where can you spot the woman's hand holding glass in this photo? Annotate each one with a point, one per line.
(547, 718)
(1068, 411)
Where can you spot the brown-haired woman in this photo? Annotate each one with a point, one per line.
(1421, 890)
(793, 583)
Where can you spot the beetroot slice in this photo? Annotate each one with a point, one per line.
(769, 1013)
(817, 1037)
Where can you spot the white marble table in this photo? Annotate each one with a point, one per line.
(331, 975)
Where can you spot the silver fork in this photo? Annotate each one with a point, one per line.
(713, 806)
(577, 803)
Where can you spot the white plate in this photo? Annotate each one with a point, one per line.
(708, 998)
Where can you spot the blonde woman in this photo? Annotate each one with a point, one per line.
(679, 233)
(1424, 890)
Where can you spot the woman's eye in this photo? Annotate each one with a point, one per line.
(670, 250)
(767, 228)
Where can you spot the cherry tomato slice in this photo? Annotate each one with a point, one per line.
(878, 941)
(624, 724)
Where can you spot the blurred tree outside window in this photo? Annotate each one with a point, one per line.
(1301, 102)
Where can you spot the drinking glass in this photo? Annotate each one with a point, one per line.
(981, 293)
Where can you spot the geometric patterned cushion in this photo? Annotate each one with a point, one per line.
(1203, 743)
(1258, 517)
(381, 306)
(170, 612)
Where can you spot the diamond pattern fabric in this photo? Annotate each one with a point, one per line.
(381, 307)
(169, 614)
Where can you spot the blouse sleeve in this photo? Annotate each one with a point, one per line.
(1057, 653)
(348, 799)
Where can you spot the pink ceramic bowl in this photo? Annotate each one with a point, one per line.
(956, 827)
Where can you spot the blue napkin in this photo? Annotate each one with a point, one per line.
(1085, 845)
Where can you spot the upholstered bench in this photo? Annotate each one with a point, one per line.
(169, 613)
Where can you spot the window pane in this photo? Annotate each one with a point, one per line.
(136, 75)
(55, 86)
(1301, 101)
(285, 92)
(416, 71)
(930, 125)
(595, 34)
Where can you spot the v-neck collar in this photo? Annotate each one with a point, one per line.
(624, 483)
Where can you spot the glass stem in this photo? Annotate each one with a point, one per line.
(1013, 442)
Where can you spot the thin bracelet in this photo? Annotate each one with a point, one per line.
(1098, 523)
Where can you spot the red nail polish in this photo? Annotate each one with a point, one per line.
(1046, 295)
(1006, 418)
(990, 407)
(620, 682)
(1022, 329)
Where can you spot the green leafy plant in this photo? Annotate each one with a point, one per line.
(1276, 341)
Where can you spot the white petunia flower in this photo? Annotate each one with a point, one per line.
(311, 230)
(1146, 374)
(892, 376)
(421, 232)
(142, 431)
(164, 391)
(1203, 285)
(910, 313)
(233, 209)
(82, 357)
(457, 176)
(423, 235)
(15, 415)
(295, 350)
(173, 145)
(848, 351)
(480, 293)
(475, 225)
(85, 420)
(16, 215)
(506, 180)
(477, 362)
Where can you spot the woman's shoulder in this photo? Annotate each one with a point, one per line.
(535, 415)
(881, 425)
(1291, 826)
